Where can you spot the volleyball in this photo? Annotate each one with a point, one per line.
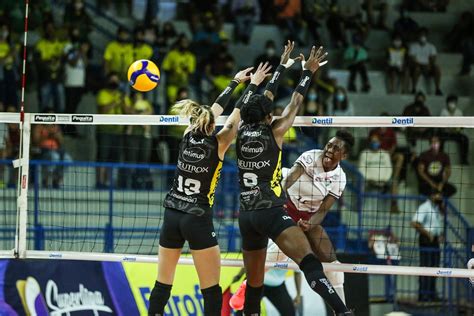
(143, 75)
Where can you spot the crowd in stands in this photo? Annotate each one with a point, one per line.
(61, 71)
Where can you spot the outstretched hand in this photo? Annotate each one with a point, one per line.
(243, 75)
(315, 60)
(285, 60)
(260, 74)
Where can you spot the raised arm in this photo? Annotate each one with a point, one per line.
(227, 134)
(285, 63)
(225, 96)
(282, 125)
(293, 175)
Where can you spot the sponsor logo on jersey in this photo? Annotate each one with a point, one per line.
(285, 217)
(196, 142)
(46, 118)
(322, 121)
(252, 165)
(252, 149)
(308, 159)
(183, 198)
(169, 119)
(191, 168)
(252, 134)
(83, 118)
(255, 191)
(193, 154)
(405, 121)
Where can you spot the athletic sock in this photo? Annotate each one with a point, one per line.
(317, 280)
(253, 296)
(212, 300)
(158, 298)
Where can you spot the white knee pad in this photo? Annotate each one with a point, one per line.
(336, 278)
(470, 265)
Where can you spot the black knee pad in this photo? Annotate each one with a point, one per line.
(158, 298)
(212, 300)
(310, 263)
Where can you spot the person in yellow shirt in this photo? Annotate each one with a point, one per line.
(118, 55)
(141, 49)
(110, 100)
(179, 65)
(8, 82)
(49, 52)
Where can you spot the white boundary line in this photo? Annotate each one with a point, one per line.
(344, 267)
(319, 121)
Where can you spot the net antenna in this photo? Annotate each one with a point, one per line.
(22, 164)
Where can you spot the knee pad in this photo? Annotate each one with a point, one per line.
(336, 278)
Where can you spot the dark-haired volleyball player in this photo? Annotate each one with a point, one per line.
(188, 205)
(262, 198)
(313, 184)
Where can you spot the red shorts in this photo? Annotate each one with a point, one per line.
(295, 214)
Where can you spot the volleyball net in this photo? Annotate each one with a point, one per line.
(91, 187)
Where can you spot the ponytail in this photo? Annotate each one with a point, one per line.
(200, 116)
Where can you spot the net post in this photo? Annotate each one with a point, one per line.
(22, 200)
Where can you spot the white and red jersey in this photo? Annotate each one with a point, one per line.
(309, 191)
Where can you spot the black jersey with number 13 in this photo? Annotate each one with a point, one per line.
(197, 174)
(259, 162)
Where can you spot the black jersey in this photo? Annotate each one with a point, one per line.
(259, 162)
(197, 174)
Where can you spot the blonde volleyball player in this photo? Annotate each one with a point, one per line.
(188, 205)
(262, 215)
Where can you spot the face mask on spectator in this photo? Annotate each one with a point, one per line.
(312, 97)
(435, 146)
(270, 51)
(397, 43)
(423, 39)
(340, 97)
(452, 106)
(374, 145)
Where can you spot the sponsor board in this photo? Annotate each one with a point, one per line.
(45, 118)
(403, 121)
(169, 119)
(322, 121)
(83, 118)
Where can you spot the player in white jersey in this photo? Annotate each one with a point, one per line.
(313, 184)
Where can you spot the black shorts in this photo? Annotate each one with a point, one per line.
(179, 227)
(257, 226)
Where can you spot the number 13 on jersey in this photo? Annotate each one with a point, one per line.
(190, 187)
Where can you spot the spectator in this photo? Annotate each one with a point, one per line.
(48, 139)
(313, 106)
(137, 147)
(340, 105)
(397, 67)
(118, 56)
(461, 31)
(398, 156)
(311, 13)
(179, 65)
(356, 56)
(246, 13)
(8, 66)
(110, 100)
(288, 18)
(426, 5)
(375, 165)
(428, 222)
(3, 149)
(406, 27)
(75, 15)
(206, 38)
(423, 61)
(434, 170)
(269, 55)
(77, 57)
(141, 49)
(467, 56)
(344, 15)
(455, 134)
(417, 108)
(49, 53)
(382, 7)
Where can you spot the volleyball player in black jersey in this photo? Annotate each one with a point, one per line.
(262, 215)
(188, 205)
